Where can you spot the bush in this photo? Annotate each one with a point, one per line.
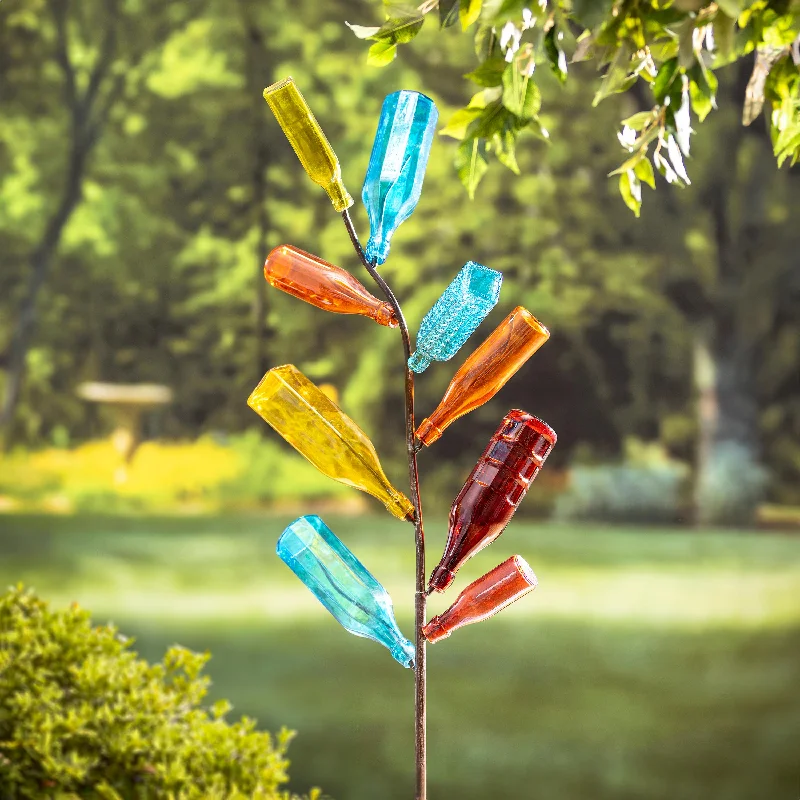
(732, 486)
(646, 487)
(246, 471)
(82, 717)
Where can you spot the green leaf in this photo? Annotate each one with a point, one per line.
(666, 74)
(591, 13)
(521, 95)
(398, 29)
(555, 55)
(485, 41)
(363, 31)
(617, 74)
(639, 120)
(504, 144)
(644, 172)
(471, 164)
(702, 90)
(401, 30)
(629, 164)
(468, 12)
(686, 53)
(381, 53)
(448, 13)
(631, 190)
(457, 124)
(489, 73)
(732, 8)
(724, 35)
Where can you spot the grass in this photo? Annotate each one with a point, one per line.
(648, 663)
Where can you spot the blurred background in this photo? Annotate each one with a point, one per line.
(142, 182)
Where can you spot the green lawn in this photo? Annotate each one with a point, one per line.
(648, 663)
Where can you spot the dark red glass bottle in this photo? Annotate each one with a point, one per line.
(493, 491)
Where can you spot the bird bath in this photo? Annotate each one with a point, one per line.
(128, 402)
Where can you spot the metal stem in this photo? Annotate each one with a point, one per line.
(420, 596)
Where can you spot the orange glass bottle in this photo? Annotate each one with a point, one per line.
(494, 489)
(484, 598)
(323, 285)
(486, 371)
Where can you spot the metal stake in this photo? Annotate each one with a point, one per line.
(420, 596)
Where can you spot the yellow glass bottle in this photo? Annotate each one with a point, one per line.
(319, 430)
(307, 140)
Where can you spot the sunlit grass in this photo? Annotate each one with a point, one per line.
(648, 663)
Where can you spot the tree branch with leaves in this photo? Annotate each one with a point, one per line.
(673, 46)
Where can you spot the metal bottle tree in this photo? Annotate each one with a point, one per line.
(312, 423)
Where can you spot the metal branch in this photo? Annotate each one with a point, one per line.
(420, 596)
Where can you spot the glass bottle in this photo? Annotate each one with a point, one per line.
(396, 168)
(323, 285)
(319, 430)
(307, 140)
(484, 598)
(494, 489)
(486, 371)
(464, 304)
(342, 584)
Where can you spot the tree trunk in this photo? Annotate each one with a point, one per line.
(86, 120)
(730, 480)
(257, 67)
(40, 262)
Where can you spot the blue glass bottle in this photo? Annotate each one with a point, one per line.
(397, 166)
(463, 305)
(342, 584)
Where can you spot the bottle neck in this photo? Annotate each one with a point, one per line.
(377, 249)
(339, 196)
(403, 651)
(383, 314)
(418, 362)
(398, 505)
(441, 578)
(428, 432)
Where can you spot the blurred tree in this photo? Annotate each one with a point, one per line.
(192, 182)
(93, 54)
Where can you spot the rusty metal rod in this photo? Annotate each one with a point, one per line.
(420, 596)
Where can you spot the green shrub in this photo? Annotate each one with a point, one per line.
(82, 717)
(646, 487)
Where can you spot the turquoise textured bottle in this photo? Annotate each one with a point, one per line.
(463, 305)
(342, 584)
(397, 166)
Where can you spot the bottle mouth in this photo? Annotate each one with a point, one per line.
(418, 362)
(524, 569)
(277, 86)
(427, 432)
(441, 578)
(404, 653)
(377, 249)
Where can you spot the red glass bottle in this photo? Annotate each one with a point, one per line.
(484, 598)
(324, 285)
(494, 489)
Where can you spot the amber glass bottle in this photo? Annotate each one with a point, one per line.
(483, 598)
(323, 285)
(486, 371)
(494, 489)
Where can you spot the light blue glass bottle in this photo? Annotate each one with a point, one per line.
(342, 584)
(397, 166)
(464, 304)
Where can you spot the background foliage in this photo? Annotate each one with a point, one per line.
(142, 181)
